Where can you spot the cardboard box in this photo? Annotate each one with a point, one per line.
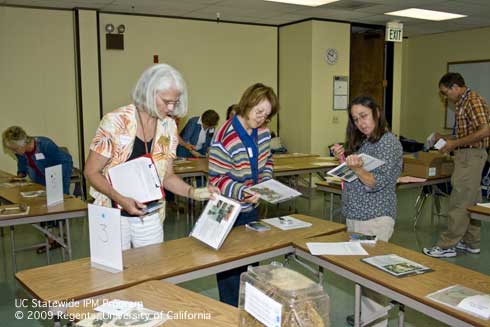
(427, 165)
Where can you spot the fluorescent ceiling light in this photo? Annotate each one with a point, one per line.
(311, 3)
(424, 14)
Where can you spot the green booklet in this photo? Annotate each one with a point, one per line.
(396, 265)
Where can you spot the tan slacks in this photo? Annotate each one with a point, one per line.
(468, 166)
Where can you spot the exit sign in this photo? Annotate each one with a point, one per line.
(394, 32)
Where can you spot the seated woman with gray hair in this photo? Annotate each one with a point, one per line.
(36, 153)
(143, 127)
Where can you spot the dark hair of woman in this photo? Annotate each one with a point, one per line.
(354, 137)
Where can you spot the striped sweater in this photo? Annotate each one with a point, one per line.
(229, 165)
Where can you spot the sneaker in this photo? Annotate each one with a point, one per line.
(437, 252)
(465, 247)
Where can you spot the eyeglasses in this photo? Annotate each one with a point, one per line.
(261, 112)
(170, 102)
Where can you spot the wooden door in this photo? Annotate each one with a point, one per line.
(367, 60)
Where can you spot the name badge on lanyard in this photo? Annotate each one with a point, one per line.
(39, 156)
(250, 152)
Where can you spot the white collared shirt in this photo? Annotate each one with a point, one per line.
(202, 136)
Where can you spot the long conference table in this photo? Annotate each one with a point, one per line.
(332, 189)
(284, 165)
(480, 213)
(174, 261)
(185, 259)
(185, 308)
(39, 212)
(410, 291)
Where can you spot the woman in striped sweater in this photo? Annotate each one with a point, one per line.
(240, 157)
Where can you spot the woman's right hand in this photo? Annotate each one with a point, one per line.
(251, 198)
(132, 206)
(338, 151)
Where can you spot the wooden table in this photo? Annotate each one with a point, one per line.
(175, 261)
(332, 189)
(191, 167)
(293, 155)
(39, 212)
(168, 298)
(480, 213)
(410, 291)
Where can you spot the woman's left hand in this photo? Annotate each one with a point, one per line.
(354, 162)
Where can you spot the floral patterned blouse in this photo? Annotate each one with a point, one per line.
(114, 139)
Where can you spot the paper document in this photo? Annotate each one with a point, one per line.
(216, 221)
(54, 185)
(463, 298)
(273, 191)
(336, 248)
(137, 179)
(33, 194)
(345, 173)
(105, 238)
(118, 307)
(429, 142)
(14, 210)
(440, 144)
(396, 266)
(485, 205)
(140, 317)
(287, 223)
(262, 307)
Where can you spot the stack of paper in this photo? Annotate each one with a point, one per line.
(463, 298)
(336, 248)
(287, 223)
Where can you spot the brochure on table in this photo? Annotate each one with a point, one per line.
(463, 298)
(138, 316)
(54, 185)
(105, 238)
(215, 222)
(140, 172)
(11, 210)
(336, 248)
(345, 173)
(273, 191)
(396, 265)
(287, 223)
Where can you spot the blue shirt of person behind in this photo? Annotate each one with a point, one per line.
(46, 154)
(190, 134)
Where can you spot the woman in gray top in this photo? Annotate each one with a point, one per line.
(369, 202)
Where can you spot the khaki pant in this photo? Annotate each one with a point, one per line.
(381, 227)
(468, 166)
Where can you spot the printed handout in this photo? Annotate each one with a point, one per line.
(463, 298)
(137, 179)
(216, 221)
(14, 210)
(396, 266)
(273, 191)
(345, 173)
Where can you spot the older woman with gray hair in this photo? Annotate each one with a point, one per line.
(36, 153)
(144, 127)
